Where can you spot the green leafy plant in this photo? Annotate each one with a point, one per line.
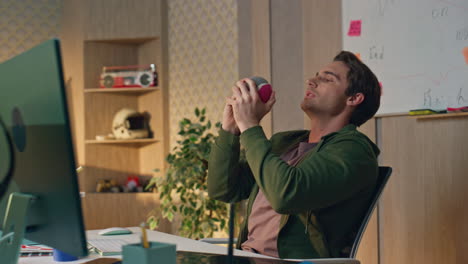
(183, 188)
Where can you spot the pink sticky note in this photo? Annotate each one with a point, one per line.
(355, 28)
(465, 54)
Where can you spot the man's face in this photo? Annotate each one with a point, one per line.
(325, 93)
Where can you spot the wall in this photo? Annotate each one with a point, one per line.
(26, 23)
(203, 57)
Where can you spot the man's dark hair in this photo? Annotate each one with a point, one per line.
(361, 80)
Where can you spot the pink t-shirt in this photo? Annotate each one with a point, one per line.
(264, 222)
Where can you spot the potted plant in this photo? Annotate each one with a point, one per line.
(183, 187)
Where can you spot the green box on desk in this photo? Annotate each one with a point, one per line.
(157, 253)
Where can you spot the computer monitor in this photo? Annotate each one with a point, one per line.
(33, 107)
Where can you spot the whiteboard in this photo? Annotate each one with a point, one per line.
(417, 48)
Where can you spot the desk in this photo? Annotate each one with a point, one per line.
(183, 244)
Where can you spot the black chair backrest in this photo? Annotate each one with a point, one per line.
(384, 174)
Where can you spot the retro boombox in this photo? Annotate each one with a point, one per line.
(128, 76)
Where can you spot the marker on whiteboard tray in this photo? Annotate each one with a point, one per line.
(458, 109)
(426, 111)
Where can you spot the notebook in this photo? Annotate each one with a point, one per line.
(107, 247)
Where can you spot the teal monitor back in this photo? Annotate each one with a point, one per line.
(33, 107)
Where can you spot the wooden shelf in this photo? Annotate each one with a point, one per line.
(436, 116)
(121, 90)
(124, 41)
(120, 193)
(101, 210)
(122, 141)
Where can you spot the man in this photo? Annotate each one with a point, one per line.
(307, 190)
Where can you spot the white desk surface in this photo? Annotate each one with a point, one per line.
(183, 244)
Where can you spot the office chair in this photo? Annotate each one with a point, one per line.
(384, 175)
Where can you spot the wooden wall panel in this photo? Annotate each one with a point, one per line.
(322, 38)
(261, 48)
(423, 210)
(368, 252)
(71, 35)
(261, 57)
(163, 72)
(369, 129)
(286, 64)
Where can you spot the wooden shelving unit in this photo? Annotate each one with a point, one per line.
(112, 39)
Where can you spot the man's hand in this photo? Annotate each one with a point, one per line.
(229, 123)
(247, 107)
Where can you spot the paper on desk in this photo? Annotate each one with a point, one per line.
(328, 261)
(35, 248)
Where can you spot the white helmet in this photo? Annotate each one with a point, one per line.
(129, 124)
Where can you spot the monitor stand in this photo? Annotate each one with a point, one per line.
(14, 226)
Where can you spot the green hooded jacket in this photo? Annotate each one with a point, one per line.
(322, 199)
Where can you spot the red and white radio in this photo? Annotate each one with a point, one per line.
(128, 76)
